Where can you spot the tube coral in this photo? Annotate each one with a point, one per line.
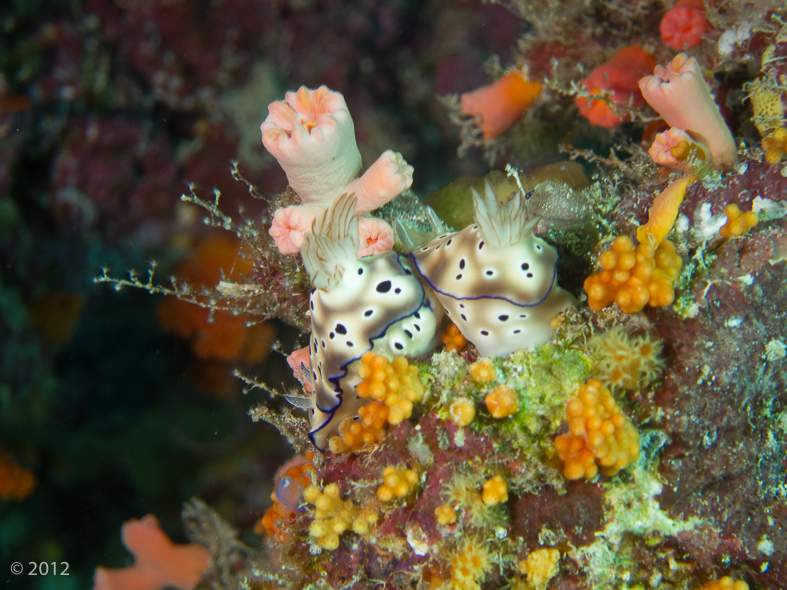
(289, 226)
(673, 148)
(501, 104)
(680, 95)
(311, 134)
(387, 177)
(617, 81)
(376, 236)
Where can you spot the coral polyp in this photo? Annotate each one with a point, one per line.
(626, 361)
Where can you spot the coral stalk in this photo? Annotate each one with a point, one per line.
(680, 95)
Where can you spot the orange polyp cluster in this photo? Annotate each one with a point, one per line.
(394, 383)
(445, 514)
(397, 483)
(501, 402)
(495, 491)
(356, 434)
(333, 516)
(726, 583)
(16, 482)
(462, 411)
(634, 277)
(482, 371)
(599, 435)
(453, 339)
(738, 223)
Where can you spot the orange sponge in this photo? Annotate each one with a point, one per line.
(500, 104)
(158, 563)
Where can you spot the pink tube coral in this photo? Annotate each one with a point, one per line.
(672, 148)
(376, 236)
(297, 361)
(311, 134)
(289, 226)
(680, 95)
(385, 179)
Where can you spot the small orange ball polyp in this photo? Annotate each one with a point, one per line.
(462, 411)
(495, 491)
(501, 402)
(482, 371)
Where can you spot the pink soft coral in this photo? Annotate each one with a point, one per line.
(289, 226)
(158, 563)
(376, 236)
(672, 148)
(680, 95)
(311, 135)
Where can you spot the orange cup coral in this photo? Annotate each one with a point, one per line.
(501, 402)
(394, 383)
(616, 80)
(453, 339)
(495, 491)
(397, 483)
(501, 104)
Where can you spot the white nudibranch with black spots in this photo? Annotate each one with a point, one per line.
(358, 304)
(496, 280)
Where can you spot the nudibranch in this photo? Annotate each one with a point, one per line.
(357, 305)
(496, 280)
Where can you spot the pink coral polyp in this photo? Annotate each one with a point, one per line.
(670, 149)
(288, 228)
(376, 236)
(681, 96)
(683, 27)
